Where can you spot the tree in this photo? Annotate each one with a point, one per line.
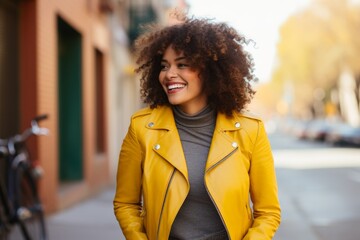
(315, 47)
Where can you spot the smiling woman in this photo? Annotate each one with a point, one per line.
(192, 158)
(211, 54)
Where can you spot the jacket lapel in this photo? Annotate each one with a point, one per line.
(222, 145)
(168, 145)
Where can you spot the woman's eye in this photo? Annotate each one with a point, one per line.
(163, 67)
(182, 65)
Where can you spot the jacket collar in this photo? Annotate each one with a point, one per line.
(222, 145)
(162, 118)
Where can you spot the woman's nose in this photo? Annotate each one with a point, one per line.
(171, 73)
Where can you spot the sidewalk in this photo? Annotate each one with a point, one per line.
(93, 219)
(318, 186)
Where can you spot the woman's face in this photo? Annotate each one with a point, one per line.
(181, 82)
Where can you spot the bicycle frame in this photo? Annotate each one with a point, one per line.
(18, 193)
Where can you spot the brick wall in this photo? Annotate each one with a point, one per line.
(85, 17)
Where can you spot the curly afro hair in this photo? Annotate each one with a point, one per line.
(215, 49)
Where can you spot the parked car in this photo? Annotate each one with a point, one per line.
(344, 134)
(317, 129)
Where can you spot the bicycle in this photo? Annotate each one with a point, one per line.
(21, 210)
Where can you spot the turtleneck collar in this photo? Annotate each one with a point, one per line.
(205, 117)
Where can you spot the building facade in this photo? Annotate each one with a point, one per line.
(72, 60)
(60, 67)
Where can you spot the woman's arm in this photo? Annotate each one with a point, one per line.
(127, 201)
(263, 190)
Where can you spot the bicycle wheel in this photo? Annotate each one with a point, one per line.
(30, 214)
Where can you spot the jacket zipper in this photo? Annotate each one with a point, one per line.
(162, 207)
(207, 190)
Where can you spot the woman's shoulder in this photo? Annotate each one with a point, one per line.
(146, 111)
(249, 116)
(141, 112)
(249, 121)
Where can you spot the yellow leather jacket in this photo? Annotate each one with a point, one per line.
(152, 178)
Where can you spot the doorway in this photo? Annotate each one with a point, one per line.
(70, 103)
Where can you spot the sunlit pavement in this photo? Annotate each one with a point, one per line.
(319, 187)
(91, 220)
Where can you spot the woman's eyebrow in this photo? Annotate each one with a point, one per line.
(180, 58)
(176, 59)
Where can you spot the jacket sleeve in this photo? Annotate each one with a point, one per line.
(127, 201)
(263, 190)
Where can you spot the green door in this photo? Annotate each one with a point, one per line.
(70, 104)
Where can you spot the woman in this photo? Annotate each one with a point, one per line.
(194, 165)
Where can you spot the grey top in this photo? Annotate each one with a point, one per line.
(198, 217)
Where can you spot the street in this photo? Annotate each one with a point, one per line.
(318, 190)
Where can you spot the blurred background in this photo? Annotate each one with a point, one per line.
(73, 60)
